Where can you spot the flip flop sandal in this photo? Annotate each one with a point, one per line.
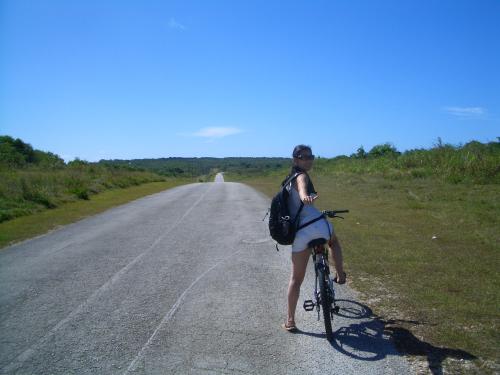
(343, 282)
(291, 328)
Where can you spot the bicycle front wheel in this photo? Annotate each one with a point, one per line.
(326, 304)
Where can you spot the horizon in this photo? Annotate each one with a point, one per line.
(191, 79)
(266, 157)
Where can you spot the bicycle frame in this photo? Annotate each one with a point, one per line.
(320, 259)
(325, 296)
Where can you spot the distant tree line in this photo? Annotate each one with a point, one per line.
(193, 167)
(475, 161)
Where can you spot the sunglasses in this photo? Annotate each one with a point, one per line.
(305, 157)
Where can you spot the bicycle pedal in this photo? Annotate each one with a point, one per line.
(309, 305)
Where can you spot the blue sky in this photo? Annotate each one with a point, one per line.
(125, 79)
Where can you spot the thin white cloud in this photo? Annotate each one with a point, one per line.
(212, 133)
(173, 24)
(465, 112)
(216, 132)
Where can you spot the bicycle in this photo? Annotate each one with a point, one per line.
(325, 297)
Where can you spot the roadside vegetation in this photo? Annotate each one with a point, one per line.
(32, 180)
(29, 226)
(421, 244)
(39, 191)
(474, 162)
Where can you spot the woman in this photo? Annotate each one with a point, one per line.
(302, 190)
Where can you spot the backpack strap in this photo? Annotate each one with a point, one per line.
(311, 221)
(291, 178)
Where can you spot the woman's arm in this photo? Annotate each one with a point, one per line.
(302, 188)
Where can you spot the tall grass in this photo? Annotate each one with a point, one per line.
(474, 162)
(24, 191)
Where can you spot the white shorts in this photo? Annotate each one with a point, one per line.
(319, 229)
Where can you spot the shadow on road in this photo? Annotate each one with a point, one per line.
(374, 338)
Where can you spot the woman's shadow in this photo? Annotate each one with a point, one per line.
(374, 338)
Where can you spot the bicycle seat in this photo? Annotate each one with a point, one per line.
(317, 242)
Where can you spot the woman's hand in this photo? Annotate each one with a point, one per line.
(309, 199)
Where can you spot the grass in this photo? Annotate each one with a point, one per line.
(25, 227)
(473, 162)
(24, 191)
(423, 252)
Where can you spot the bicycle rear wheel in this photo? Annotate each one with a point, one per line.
(326, 304)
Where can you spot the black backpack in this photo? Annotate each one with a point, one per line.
(281, 226)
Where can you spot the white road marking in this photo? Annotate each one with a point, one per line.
(171, 313)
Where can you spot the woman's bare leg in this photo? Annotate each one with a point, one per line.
(336, 251)
(299, 266)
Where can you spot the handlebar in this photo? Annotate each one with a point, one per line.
(334, 213)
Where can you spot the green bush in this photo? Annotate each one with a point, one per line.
(474, 162)
(377, 151)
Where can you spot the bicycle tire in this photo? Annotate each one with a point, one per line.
(325, 303)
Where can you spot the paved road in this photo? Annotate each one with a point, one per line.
(185, 281)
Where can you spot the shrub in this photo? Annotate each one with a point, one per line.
(385, 149)
(81, 193)
(37, 193)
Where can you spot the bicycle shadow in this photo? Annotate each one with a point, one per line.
(375, 338)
